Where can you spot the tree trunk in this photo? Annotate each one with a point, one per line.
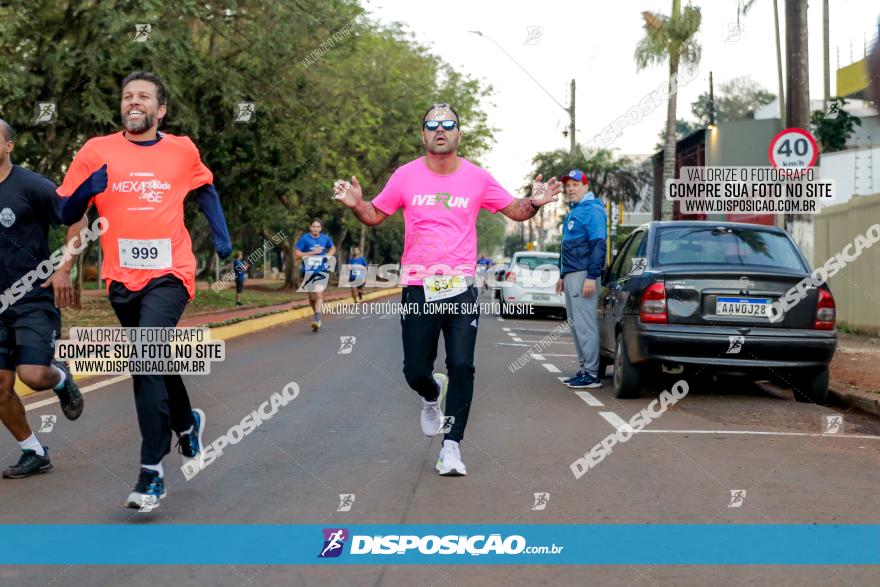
(779, 65)
(290, 279)
(662, 207)
(288, 262)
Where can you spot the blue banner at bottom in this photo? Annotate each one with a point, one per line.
(474, 544)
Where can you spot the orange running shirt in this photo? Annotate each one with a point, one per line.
(144, 206)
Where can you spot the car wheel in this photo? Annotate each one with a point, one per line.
(812, 388)
(627, 377)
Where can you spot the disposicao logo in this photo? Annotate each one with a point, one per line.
(334, 540)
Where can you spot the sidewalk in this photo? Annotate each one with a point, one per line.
(243, 312)
(855, 372)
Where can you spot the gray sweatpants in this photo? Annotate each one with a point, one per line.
(584, 324)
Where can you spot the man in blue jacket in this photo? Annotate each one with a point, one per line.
(581, 262)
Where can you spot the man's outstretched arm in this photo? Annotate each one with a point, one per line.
(353, 197)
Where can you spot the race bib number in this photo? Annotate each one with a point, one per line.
(358, 269)
(440, 287)
(314, 263)
(145, 253)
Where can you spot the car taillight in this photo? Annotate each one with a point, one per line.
(653, 305)
(511, 277)
(826, 312)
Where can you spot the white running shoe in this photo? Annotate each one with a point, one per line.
(432, 416)
(449, 463)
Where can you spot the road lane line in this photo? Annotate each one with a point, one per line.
(590, 399)
(551, 367)
(615, 420)
(538, 357)
(759, 433)
(517, 339)
(83, 390)
(505, 329)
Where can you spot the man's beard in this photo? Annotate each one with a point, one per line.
(449, 147)
(137, 128)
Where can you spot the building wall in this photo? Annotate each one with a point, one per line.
(856, 172)
(856, 288)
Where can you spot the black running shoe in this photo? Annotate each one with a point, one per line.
(70, 397)
(29, 464)
(147, 492)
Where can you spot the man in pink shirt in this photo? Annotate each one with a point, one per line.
(441, 195)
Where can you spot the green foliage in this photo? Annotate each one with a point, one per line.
(513, 242)
(490, 232)
(735, 99)
(670, 38)
(354, 110)
(615, 179)
(832, 133)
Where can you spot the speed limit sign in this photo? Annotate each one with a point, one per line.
(793, 148)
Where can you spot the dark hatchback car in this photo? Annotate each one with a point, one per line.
(688, 299)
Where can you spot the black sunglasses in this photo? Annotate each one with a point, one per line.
(433, 125)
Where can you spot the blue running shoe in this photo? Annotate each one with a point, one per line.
(150, 488)
(190, 444)
(585, 381)
(576, 375)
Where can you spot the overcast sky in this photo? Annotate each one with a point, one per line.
(593, 42)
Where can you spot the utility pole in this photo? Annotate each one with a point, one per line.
(796, 37)
(711, 102)
(779, 66)
(800, 226)
(826, 54)
(571, 126)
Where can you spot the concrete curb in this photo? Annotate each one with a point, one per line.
(852, 398)
(246, 326)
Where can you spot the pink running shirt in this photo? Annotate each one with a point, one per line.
(440, 215)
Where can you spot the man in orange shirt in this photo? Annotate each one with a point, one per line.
(138, 179)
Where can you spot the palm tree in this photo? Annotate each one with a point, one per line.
(746, 6)
(669, 38)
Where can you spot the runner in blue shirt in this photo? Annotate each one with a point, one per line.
(358, 266)
(313, 250)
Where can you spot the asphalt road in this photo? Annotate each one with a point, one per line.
(354, 429)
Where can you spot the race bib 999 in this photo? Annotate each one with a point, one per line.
(145, 253)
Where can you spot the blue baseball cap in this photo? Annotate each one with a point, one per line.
(576, 175)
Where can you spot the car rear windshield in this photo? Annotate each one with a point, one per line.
(535, 262)
(726, 246)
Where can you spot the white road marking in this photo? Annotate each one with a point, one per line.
(517, 339)
(538, 357)
(615, 420)
(760, 433)
(509, 333)
(590, 399)
(551, 367)
(83, 390)
(542, 342)
(505, 329)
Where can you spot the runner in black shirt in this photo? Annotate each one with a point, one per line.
(30, 319)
